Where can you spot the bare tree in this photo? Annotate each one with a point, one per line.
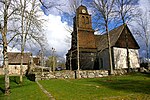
(73, 5)
(48, 4)
(29, 20)
(23, 8)
(103, 8)
(39, 39)
(143, 29)
(126, 11)
(7, 10)
(5, 56)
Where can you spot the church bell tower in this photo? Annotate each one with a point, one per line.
(83, 27)
(83, 19)
(83, 38)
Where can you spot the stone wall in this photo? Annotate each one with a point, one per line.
(92, 73)
(120, 71)
(14, 70)
(124, 71)
(71, 74)
(67, 74)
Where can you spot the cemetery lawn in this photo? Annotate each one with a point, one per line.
(135, 86)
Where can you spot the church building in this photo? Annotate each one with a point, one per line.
(92, 50)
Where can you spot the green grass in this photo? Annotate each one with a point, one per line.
(128, 87)
(27, 91)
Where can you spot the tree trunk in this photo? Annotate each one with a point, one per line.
(6, 67)
(23, 6)
(127, 47)
(109, 49)
(5, 56)
(21, 67)
(78, 52)
(53, 65)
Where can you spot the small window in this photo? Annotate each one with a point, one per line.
(87, 20)
(83, 19)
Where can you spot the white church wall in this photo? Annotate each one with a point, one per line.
(120, 58)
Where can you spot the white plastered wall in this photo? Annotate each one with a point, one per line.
(120, 58)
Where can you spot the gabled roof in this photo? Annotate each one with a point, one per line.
(15, 58)
(101, 40)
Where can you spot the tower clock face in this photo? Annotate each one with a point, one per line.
(83, 11)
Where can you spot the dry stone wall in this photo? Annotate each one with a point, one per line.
(92, 73)
(124, 71)
(71, 74)
(67, 74)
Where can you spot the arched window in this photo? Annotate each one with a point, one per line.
(83, 20)
(87, 20)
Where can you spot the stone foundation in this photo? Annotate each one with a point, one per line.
(71, 74)
(92, 73)
(120, 71)
(124, 71)
(65, 74)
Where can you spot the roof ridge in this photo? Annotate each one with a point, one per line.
(114, 36)
(123, 26)
(114, 29)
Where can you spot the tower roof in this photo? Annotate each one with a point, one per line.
(80, 10)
